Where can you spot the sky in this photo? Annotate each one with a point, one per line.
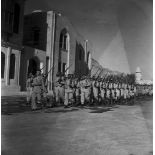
(119, 30)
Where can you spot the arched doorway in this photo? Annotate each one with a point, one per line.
(33, 65)
(64, 51)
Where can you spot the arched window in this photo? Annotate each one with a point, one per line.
(33, 65)
(16, 18)
(63, 40)
(36, 35)
(2, 64)
(80, 54)
(12, 66)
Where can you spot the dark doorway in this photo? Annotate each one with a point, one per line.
(33, 66)
(12, 66)
(47, 64)
(2, 64)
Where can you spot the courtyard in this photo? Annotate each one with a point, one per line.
(98, 130)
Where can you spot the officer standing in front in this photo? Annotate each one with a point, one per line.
(38, 86)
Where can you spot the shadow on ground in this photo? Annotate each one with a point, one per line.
(61, 111)
(17, 104)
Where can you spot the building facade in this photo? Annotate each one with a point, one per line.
(50, 41)
(11, 43)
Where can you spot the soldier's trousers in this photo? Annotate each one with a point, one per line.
(29, 94)
(85, 94)
(68, 97)
(35, 95)
(59, 94)
(77, 96)
(95, 93)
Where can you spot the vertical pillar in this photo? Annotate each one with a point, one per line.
(42, 67)
(52, 50)
(17, 73)
(8, 66)
(16, 69)
(86, 41)
(68, 51)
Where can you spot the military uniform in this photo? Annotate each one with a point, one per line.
(76, 92)
(29, 88)
(108, 92)
(68, 92)
(96, 91)
(59, 89)
(103, 91)
(38, 86)
(82, 87)
(45, 91)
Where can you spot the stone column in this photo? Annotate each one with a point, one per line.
(17, 67)
(8, 66)
(68, 53)
(86, 41)
(42, 67)
(16, 70)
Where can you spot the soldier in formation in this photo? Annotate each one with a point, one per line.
(74, 90)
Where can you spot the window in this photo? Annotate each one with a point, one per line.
(36, 34)
(64, 67)
(12, 66)
(2, 64)
(80, 54)
(7, 13)
(63, 40)
(59, 67)
(16, 18)
(47, 64)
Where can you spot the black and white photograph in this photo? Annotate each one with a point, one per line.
(77, 77)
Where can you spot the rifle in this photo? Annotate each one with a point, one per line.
(67, 68)
(43, 67)
(104, 77)
(46, 75)
(91, 68)
(96, 72)
(99, 74)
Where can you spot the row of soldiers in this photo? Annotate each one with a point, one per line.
(75, 91)
(145, 90)
(91, 90)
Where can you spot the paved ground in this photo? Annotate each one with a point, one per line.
(119, 130)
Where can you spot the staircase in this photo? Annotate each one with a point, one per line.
(10, 90)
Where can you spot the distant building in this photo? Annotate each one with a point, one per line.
(12, 14)
(138, 74)
(140, 80)
(50, 40)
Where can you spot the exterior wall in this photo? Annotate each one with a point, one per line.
(36, 20)
(11, 83)
(11, 44)
(138, 76)
(30, 53)
(51, 25)
(77, 43)
(7, 32)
